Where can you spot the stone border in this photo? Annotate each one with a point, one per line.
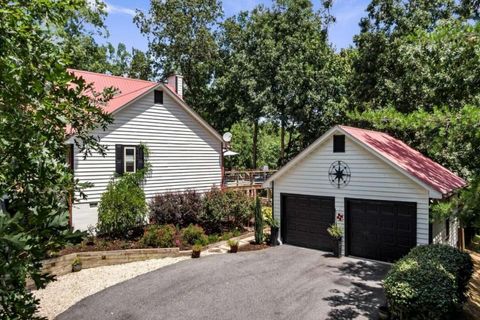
(91, 259)
(62, 265)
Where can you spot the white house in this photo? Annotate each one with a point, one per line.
(373, 185)
(185, 151)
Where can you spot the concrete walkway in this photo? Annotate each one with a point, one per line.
(284, 282)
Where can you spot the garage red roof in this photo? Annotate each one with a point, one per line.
(128, 89)
(413, 162)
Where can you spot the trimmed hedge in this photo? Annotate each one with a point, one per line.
(428, 283)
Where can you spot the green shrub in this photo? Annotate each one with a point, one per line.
(212, 238)
(122, 206)
(225, 210)
(178, 208)
(194, 234)
(453, 260)
(159, 236)
(428, 283)
(258, 221)
(267, 213)
(335, 231)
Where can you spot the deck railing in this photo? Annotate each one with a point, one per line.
(245, 178)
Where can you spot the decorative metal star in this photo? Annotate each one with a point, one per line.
(339, 173)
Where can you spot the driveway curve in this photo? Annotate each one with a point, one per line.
(284, 282)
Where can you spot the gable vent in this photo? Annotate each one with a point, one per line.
(158, 98)
(338, 143)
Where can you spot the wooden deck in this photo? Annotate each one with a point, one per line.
(248, 180)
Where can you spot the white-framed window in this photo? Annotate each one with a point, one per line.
(129, 159)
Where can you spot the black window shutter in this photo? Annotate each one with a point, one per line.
(140, 161)
(158, 97)
(119, 158)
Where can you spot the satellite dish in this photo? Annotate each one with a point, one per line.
(227, 137)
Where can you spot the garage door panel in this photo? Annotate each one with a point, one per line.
(305, 220)
(381, 230)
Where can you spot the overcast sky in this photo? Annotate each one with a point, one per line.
(122, 29)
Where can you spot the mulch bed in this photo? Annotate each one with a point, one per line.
(253, 247)
(100, 245)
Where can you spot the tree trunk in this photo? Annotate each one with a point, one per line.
(282, 144)
(255, 142)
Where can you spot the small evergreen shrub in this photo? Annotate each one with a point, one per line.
(194, 234)
(259, 224)
(428, 283)
(178, 208)
(122, 206)
(159, 236)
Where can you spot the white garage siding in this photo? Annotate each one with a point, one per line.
(371, 178)
(439, 232)
(183, 154)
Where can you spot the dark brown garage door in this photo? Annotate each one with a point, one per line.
(380, 230)
(305, 220)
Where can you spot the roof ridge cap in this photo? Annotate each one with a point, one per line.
(113, 76)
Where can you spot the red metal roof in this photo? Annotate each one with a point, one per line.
(128, 89)
(409, 159)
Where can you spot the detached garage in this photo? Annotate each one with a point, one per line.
(373, 185)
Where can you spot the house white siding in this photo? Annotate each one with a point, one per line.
(371, 178)
(183, 153)
(439, 232)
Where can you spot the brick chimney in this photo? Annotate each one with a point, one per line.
(175, 83)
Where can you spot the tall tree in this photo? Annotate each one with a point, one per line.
(416, 75)
(390, 67)
(279, 65)
(181, 39)
(140, 66)
(39, 110)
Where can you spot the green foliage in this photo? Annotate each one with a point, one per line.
(450, 137)
(415, 54)
(197, 247)
(76, 261)
(230, 234)
(429, 283)
(38, 103)
(468, 204)
(268, 146)
(269, 218)
(122, 206)
(178, 208)
(335, 231)
(232, 243)
(267, 213)
(283, 71)
(259, 224)
(181, 39)
(194, 234)
(159, 236)
(225, 210)
(441, 210)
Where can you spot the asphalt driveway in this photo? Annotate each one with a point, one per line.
(284, 282)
